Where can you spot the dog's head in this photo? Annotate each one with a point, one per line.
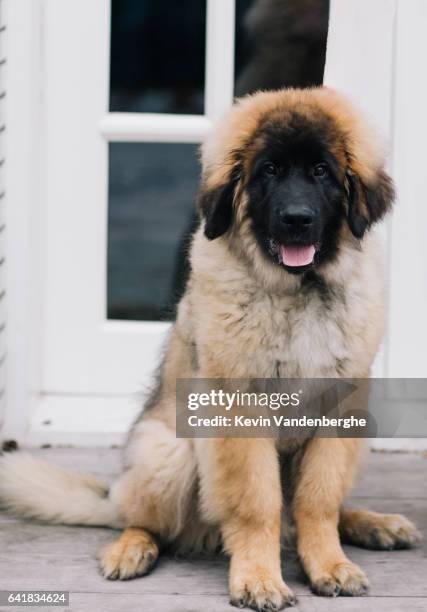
(291, 175)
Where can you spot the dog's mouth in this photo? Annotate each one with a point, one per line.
(294, 257)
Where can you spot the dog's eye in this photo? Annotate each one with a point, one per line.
(269, 169)
(320, 170)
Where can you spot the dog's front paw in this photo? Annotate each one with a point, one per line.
(260, 591)
(344, 578)
(130, 556)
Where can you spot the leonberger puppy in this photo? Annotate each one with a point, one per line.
(285, 282)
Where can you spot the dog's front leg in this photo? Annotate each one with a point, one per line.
(326, 473)
(240, 489)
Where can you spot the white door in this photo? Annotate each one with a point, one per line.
(74, 367)
(85, 352)
(86, 369)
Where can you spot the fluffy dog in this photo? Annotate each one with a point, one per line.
(285, 282)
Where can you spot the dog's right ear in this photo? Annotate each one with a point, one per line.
(368, 203)
(216, 206)
(357, 221)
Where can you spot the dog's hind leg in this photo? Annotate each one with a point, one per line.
(377, 531)
(152, 499)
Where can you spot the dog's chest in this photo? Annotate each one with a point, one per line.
(296, 336)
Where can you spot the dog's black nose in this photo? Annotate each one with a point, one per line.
(296, 220)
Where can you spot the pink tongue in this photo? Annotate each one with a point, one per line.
(297, 255)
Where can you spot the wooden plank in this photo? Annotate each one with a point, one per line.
(361, 604)
(82, 602)
(392, 476)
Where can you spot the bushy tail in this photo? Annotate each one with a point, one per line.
(32, 488)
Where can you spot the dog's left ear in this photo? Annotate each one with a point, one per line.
(368, 203)
(216, 206)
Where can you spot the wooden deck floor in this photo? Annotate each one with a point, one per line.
(51, 558)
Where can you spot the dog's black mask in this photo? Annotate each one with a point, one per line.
(296, 201)
(298, 194)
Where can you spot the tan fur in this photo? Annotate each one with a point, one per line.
(238, 129)
(326, 475)
(376, 531)
(231, 470)
(242, 317)
(133, 554)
